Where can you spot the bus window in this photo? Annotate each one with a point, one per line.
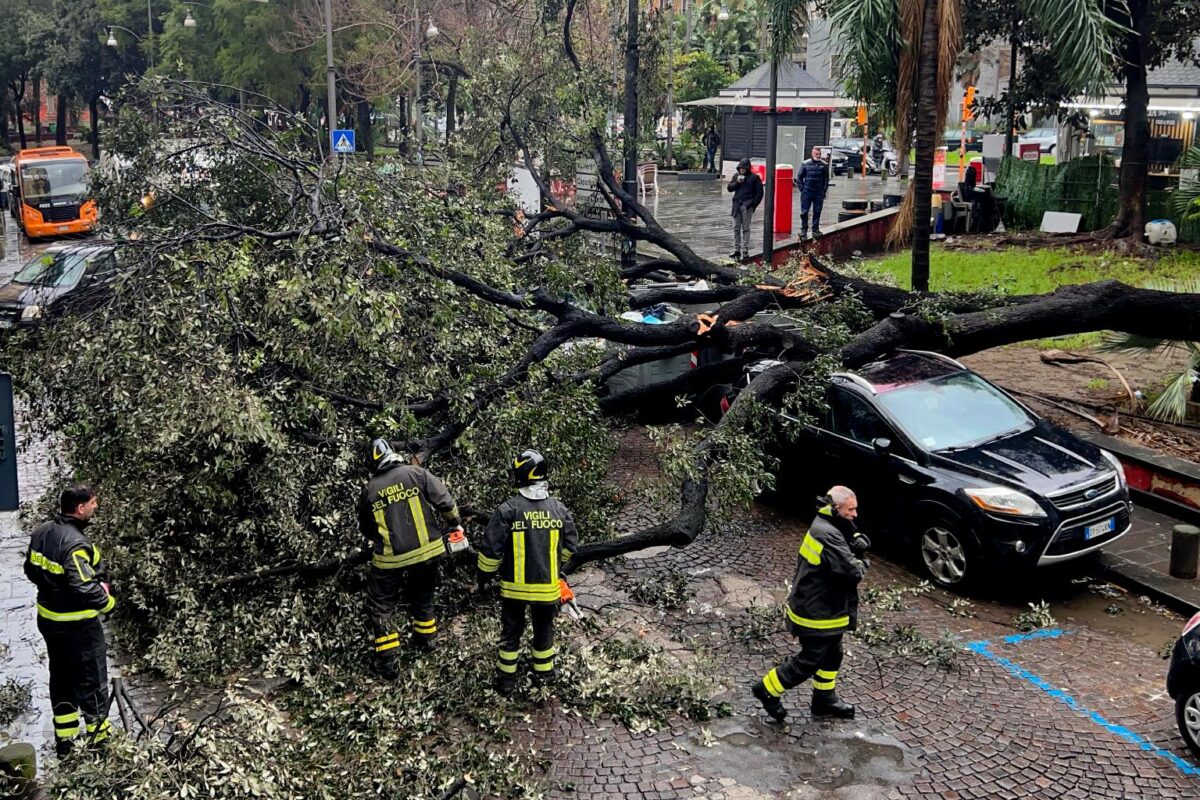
(57, 180)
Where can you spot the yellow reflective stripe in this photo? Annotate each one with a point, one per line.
(810, 550)
(66, 733)
(510, 655)
(86, 560)
(554, 556)
(380, 648)
(418, 515)
(452, 514)
(39, 560)
(534, 592)
(95, 556)
(518, 558)
(564, 555)
(826, 510)
(424, 627)
(384, 534)
(435, 548)
(103, 724)
(827, 675)
(486, 564)
(549, 653)
(66, 718)
(771, 681)
(387, 637)
(818, 624)
(543, 666)
(70, 616)
(509, 668)
(110, 605)
(823, 685)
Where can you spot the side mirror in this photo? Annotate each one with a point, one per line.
(882, 446)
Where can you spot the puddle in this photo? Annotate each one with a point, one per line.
(775, 759)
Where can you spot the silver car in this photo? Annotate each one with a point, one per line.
(1045, 138)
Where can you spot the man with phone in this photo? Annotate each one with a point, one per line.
(747, 191)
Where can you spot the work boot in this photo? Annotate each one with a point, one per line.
(424, 643)
(770, 703)
(504, 685)
(826, 703)
(545, 678)
(804, 232)
(385, 668)
(817, 232)
(735, 255)
(63, 747)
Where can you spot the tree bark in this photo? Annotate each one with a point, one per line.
(18, 94)
(1135, 153)
(94, 116)
(4, 111)
(1010, 108)
(926, 143)
(60, 120)
(451, 102)
(363, 110)
(37, 110)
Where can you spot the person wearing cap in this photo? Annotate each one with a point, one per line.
(528, 539)
(400, 513)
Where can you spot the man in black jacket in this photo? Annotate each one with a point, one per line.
(398, 515)
(813, 181)
(747, 191)
(822, 606)
(71, 596)
(528, 538)
(712, 140)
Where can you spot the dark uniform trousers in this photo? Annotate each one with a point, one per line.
(819, 658)
(413, 586)
(512, 626)
(78, 678)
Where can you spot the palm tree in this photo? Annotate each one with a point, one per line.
(785, 20)
(899, 56)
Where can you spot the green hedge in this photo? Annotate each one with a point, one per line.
(1086, 186)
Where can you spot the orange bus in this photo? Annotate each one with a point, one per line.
(51, 193)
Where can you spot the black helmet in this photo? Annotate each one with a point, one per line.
(529, 468)
(383, 457)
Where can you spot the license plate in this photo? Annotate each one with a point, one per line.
(64, 228)
(5, 323)
(1100, 528)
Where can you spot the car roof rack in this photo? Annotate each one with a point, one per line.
(931, 354)
(858, 379)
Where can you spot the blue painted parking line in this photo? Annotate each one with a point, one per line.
(984, 648)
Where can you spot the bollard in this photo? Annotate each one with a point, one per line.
(18, 768)
(1185, 551)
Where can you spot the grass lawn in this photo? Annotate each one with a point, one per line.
(952, 157)
(1020, 270)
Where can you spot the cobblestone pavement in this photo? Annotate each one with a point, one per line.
(1076, 712)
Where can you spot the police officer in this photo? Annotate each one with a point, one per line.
(813, 181)
(71, 596)
(529, 537)
(822, 606)
(397, 514)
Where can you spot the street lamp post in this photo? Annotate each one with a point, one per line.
(629, 179)
(330, 76)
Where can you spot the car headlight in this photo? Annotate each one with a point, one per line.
(30, 313)
(1002, 500)
(1117, 465)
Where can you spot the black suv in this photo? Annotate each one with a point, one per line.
(62, 277)
(1183, 683)
(955, 470)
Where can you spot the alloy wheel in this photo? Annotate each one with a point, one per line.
(1191, 718)
(945, 557)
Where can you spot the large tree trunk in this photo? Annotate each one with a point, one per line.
(37, 110)
(363, 111)
(60, 120)
(1135, 153)
(451, 102)
(18, 94)
(94, 119)
(927, 137)
(4, 112)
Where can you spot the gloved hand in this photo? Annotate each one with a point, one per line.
(859, 544)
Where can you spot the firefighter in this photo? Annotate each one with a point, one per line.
(823, 605)
(529, 537)
(397, 514)
(71, 596)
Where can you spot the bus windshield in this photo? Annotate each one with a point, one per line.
(59, 180)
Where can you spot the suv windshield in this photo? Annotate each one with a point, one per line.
(64, 180)
(954, 411)
(59, 269)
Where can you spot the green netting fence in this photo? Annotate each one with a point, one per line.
(1085, 186)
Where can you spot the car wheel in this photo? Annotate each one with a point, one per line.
(1050, 149)
(1187, 715)
(946, 555)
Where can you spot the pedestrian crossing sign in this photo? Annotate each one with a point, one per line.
(343, 141)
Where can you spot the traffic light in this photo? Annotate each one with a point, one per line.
(968, 101)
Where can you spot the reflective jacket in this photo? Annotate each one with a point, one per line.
(813, 178)
(824, 597)
(398, 513)
(526, 541)
(67, 570)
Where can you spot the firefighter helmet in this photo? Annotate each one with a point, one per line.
(383, 457)
(529, 468)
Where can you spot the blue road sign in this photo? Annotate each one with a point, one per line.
(343, 141)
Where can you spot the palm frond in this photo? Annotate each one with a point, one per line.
(1130, 343)
(1185, 199)
(902, 223)
(949, 45)
(869, 46)
(1084, 40)
(912, 22)
(786, 20)
(1171, 405)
